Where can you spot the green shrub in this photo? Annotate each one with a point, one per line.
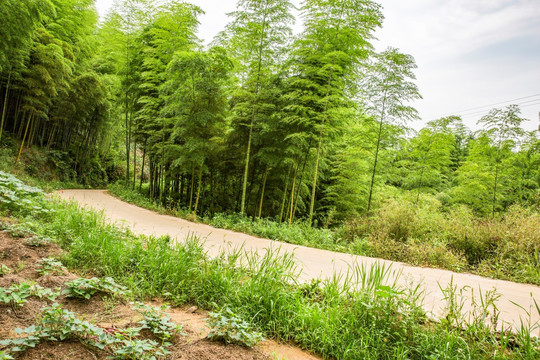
(230, 328)
(47, 266)
(85, 288)
(58, 324)
(17, 294)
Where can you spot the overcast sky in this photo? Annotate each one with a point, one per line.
(472, 55)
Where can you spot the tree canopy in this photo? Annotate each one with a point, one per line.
(311, 126)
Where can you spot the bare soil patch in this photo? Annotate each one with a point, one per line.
(109, 313)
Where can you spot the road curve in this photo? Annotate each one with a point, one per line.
(316, 263)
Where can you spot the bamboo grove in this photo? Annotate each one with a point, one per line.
(263, 122)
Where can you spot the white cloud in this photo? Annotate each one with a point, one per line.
(469, 53)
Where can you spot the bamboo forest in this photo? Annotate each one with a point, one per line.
(311, 127)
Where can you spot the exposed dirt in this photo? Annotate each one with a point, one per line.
(66, 350)
(206, 350)
(108, 312)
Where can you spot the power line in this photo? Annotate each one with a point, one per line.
(538, 103)
(520, 104)
(502, 102)
(483, 112)
(468, 114)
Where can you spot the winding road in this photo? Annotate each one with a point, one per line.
(516, 300)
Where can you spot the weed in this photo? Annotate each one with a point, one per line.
(157, 321)
(20, 266)
(38, 241)
(17, 294)
(232, 329)
(48, 266)
(85, 288)
(4, 269)
(109, 305)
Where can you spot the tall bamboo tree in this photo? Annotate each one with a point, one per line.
(335, 41)
(255, 38)
(503, 126)
(387, 87)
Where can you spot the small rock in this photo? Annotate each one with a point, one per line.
(192, 309)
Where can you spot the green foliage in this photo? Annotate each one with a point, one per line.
(5, 356)
(458, 240)
(196, 100)
(412, 229)
(15, 196)
(262, 122)
(431, 154)
(47, 266)
(4, 269)
(230, 328)
(15, 230)
(85, 288)
(157, 321)
(348, 192)
(307, 127)
(58, 324)
(38, 241)
(21, 17)
(387, 85)
(300, 233)
(17, 294)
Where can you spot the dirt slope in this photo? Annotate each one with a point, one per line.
(315, 262)
(107, 312)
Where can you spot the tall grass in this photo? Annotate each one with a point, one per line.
(299, 233)
(335, 318)
(507, 247)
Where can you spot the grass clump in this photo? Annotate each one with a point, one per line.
(507, 247)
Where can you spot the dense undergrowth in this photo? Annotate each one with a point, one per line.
(507, 247)
(53, 169)
(330, 318)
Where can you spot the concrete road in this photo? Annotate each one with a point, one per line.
(316, 263)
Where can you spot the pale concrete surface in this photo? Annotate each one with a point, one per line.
(316, 263)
